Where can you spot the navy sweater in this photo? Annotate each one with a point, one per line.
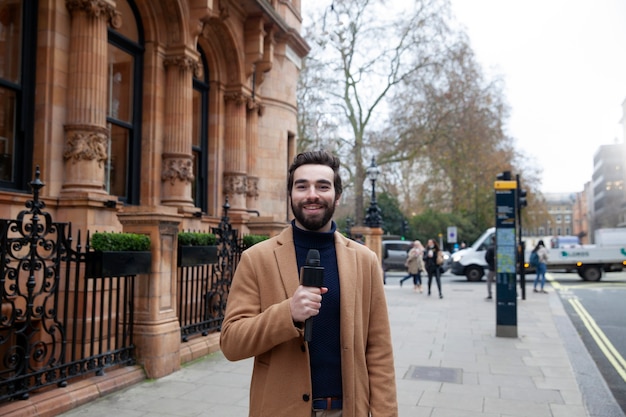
(325, 347)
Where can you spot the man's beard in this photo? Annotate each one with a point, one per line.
(316, 222)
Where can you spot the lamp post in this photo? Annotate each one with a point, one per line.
(349, 224)
(373, 217)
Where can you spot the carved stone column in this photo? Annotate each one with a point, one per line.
(86, 133)
(235, 152)
(252, 126)
(177, 176)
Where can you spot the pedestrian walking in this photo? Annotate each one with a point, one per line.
(433, 259)
(415, 265)
(541, 266)
(490, 258)
(345, 368)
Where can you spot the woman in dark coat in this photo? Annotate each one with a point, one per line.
(431, 255)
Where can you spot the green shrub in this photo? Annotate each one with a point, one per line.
(196, 239)
(115, 242)
(251, 240)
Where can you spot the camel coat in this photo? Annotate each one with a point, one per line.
(258, 323)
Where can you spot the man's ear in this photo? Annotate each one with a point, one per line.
(337, 199)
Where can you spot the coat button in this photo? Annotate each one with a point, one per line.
(305, 397)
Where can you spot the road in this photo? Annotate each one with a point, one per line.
(598, 311)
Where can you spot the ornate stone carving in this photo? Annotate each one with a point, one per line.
(86, 145)
(253, 104)
(235, 184)
(184, 62)
(253, 188)
(178, 168)
(96, 8)
(238, 97)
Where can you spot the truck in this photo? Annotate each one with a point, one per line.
(589, 261)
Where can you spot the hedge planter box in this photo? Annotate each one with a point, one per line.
(197, 255)
(118, 263)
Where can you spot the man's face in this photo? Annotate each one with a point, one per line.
(313, 197)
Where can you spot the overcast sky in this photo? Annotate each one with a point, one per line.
(564, 65)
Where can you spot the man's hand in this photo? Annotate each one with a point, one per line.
(306, 302)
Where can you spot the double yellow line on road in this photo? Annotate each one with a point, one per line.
(603, 342)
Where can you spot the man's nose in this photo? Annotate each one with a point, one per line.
(312, 192)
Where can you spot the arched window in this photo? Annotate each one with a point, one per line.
(199, 146)
(18, 25)
(123, 170)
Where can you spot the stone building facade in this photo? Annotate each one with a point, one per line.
(160, 107)
(147, 116)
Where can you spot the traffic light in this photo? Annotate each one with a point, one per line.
(521, 199)
(405, 228)
(504, 176)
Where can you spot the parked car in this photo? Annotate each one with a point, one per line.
(394, 254)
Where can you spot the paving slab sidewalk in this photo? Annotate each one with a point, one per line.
(449, 363)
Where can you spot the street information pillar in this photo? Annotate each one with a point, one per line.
(506, 259)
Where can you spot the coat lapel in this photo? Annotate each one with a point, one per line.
(285, 255)
(348, 281)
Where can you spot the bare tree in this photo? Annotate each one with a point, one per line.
(450, 126)
(406, 88)
(366, 49)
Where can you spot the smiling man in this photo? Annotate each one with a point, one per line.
(346, 370)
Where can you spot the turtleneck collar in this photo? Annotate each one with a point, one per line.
(313, 240)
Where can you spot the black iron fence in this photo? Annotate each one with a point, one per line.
(203, 289)
(55, 324)
(58, 323)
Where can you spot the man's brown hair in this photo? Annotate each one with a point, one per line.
(316, 158)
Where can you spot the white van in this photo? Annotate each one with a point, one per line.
(471, 261)
(588, 261)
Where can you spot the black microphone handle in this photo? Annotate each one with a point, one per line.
(308, 329)
(311, 275)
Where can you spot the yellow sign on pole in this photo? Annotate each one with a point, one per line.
(505, 185)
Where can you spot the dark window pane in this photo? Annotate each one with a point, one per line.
(117, 172)
(7, 133)
(120, 106)
(11, 41)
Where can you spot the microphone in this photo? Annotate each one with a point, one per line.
(311, 275)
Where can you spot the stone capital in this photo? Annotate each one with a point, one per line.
(253, 188)
(237, 97)
(235, 184)
(184, 63)
(86, 143)
(180, 168)
(96, 9)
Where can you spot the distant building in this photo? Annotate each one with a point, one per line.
(560, 206)
(581, 214)
(608, 186)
